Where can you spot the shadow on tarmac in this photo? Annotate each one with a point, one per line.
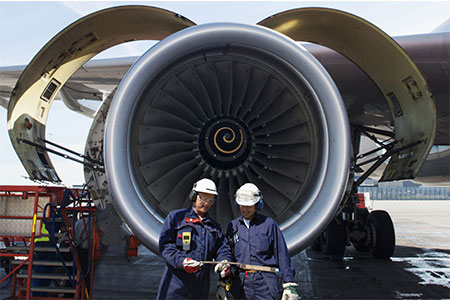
(412, 273)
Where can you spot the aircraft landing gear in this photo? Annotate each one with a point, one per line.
(354, 224)
(380, 234)
(366, 231)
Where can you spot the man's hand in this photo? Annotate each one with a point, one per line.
(221, 293)
(289, 291)
(223, 268)
(191, 265)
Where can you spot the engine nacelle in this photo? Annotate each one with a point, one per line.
(235, 103)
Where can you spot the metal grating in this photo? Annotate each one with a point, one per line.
(13, 206)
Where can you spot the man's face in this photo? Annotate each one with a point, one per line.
(247, 211)
(203, 202)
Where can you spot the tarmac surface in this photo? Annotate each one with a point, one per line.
(413, 273)
(419, 268)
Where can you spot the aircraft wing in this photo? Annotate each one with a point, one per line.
(97, 78)
(94, 81)
(363, 100)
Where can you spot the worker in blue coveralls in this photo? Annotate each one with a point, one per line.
(256, 239)
(189, 236)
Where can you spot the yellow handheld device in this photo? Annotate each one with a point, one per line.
(186, 241)
(228, 286)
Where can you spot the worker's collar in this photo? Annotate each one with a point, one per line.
(256, 218)
(193, 217)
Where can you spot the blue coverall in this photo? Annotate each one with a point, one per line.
(261, 244)
(207, 243)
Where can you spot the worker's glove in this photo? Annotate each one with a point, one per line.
(191, 265)
(221, 293)
(223, 268)
(289, 291)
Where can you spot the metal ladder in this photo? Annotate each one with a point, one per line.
(59, 259)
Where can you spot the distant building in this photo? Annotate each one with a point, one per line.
(405, 190)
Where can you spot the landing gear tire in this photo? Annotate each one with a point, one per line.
(333, 240)
(381, 234)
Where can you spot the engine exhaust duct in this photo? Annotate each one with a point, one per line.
(235, 103)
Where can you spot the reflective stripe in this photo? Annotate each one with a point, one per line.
(42, 238)
(34, 224)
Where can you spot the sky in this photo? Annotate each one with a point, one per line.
(25, 27)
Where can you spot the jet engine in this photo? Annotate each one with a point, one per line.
(234, 103)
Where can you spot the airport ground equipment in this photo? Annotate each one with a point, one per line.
(132, 246)
(23, 211)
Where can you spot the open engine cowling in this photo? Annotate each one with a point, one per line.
(235, 103)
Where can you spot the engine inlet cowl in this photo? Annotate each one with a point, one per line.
(234, 103)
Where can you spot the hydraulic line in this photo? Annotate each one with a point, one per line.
(94, 164)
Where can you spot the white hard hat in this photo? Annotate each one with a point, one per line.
(205, 186)
(248, 195)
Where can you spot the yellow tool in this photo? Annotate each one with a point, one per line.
(186, 241)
